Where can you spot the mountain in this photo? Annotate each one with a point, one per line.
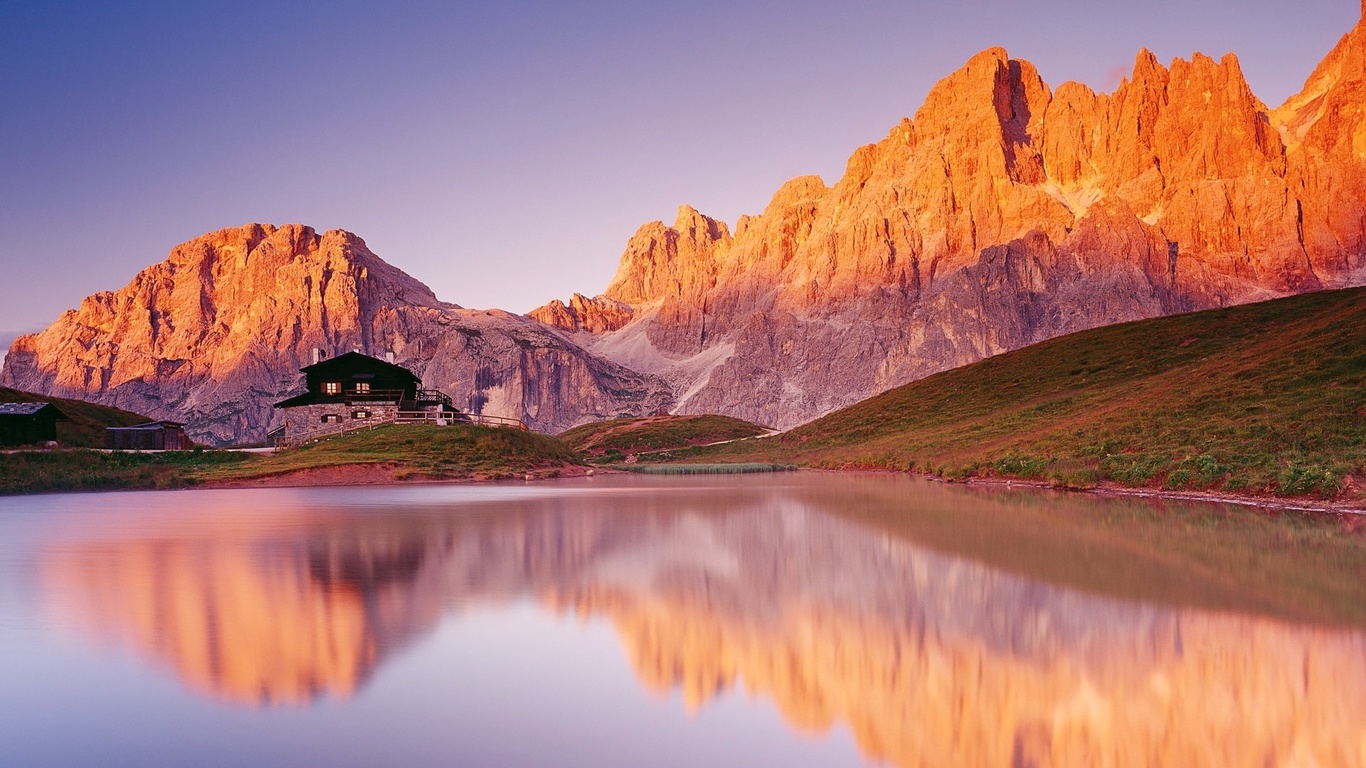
(217, 332)
(1259, 398)
(1003, 214)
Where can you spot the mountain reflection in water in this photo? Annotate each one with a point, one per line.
(821, 595)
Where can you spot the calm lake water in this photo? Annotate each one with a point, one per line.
(793, 620)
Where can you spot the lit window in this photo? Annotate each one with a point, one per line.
(331, 418)
(360, 414)
(362, 387)
(331, 387)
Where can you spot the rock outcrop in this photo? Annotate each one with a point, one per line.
(1003, 214)
(217, 332)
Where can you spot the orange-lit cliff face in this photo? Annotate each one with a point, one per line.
(216, 333)
(245, 621)
(928, 656)
(1003, 214)
(1184, 688)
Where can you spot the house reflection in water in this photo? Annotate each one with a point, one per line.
(930, 658)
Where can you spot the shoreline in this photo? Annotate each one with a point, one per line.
(389, 473)
(1288, 504)
(346, 475)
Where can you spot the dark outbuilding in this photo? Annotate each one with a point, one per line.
(152, 436)
(27, 423)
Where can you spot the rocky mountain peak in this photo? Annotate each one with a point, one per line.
(1004, 213)
(692, 225)
(217, 332)
(1336, 84)
(663, 261)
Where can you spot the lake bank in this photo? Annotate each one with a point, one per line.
(1289, 504)
(366, 474)
(455, 452)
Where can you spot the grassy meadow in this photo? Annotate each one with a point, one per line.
(416, 451)
(613, 440)
(406, 452)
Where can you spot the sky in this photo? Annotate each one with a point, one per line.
(502, 152)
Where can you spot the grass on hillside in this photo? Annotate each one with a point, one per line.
(416, 451)
(613, 440)
(1261, 398)
(456, 451)
(87, 470)
(87, 420)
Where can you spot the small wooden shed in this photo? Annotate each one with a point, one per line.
(152, 436)
(26, 423)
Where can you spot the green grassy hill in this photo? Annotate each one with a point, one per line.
(416, 451)
(1262, 398)
(617, 438)
(87, 420)
(407, 452)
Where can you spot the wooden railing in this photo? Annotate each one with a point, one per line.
(496, 421)
(431, 417)
(434, 417)
(373, 395)
(434, 396)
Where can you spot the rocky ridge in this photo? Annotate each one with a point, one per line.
(216, 333)
(1003, 214)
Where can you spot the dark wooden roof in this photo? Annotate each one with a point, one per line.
(150, 425)
(307, 398)
(354, 361)
(29, 409)
(360, 377)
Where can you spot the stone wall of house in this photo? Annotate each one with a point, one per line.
(304, 419)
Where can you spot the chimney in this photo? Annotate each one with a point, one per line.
(317, 355)
(389, 356)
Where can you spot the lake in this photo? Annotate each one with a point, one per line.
(805, 619)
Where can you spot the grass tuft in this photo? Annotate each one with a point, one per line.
(613, 440)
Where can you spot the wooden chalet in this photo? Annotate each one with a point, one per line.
(29, 423)
(152, 436)
(352, 391)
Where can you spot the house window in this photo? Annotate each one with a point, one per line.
(331, 418)
(362, 387)
(331, 387)
(361, 414)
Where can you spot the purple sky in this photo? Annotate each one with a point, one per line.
(502, 152)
